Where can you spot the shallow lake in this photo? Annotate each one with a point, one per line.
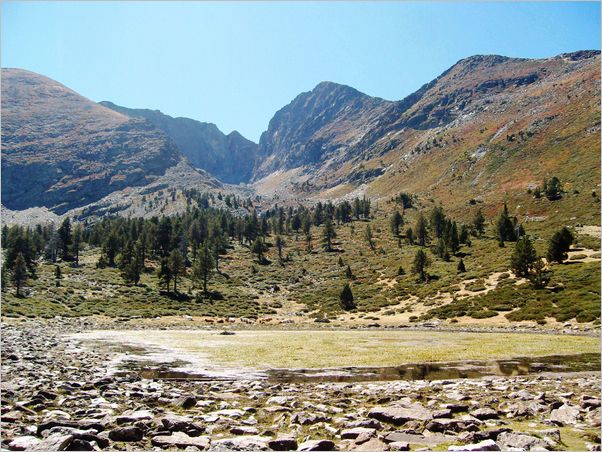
(341, 355)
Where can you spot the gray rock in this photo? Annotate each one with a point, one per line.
(399, 445)
(399, 415)
(181, 440)
(56, 441)
(244, 430)
(186, 402)
(126, 434)
(565, 415)
(316, 444)
(135, 416)
(353, 433)
(283, 443)
(485, 413)
(242, 442)
(488, 444)
(23, 442)
(520, 440)
(174, 423)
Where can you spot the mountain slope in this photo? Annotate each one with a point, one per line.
(230, 158)
(61, 150)
(487, 127)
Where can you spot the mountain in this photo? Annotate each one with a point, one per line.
(487, 126)
(62, 151)
(230, 158)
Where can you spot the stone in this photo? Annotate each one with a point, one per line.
(185, 402)
(399, 415)
(181, 440)
(283, 443)
(242, 442)
(56, 441)
(136, 416)
(316, 444)
(485, 413)
(431, 440)
(373, 444)
(399, 445)
(353, 433)
(451, 425)
(565, 415)
(520, 440)
(23, 442)
(488, 444)
(174, 423)
(244, 430)
(126, 434)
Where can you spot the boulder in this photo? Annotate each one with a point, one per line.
(485, 413)
(126, 434)
(520, 441)
(316, 444)
(353, 433)
(565, 415)
(399, 415)
(23, 442)
(135, 416)
(181, 440)
(185, 402)
(56, 441)
(283, 443)
(488, 444)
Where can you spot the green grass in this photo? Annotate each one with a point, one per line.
(320, 349)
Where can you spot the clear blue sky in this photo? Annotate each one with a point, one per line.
(235, 64)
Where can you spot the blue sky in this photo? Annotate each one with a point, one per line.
(235, 64)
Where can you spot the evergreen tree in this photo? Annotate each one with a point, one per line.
(340, 262)
(77, 241)
(523, 257)
(57, 276)
(539, 275)
(348, 272)
(461, 267)
(328, 235)
(279, 242)
(65, 239)
(164, 274)
(369, 238)
(438, 221)
(421, 230)
(19, 272)
(552, 188)
(421, 262)
(346, 298)
(478, 223)
(176, 264)
(410, 236)
(258, 248)
(111, 247)
(559, 245)
(396, 223)
(202, 267)
(505, 227)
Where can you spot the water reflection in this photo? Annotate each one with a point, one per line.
(426, 371)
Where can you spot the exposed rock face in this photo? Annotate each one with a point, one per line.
(317, 125)
(61, 150)
(230, 158)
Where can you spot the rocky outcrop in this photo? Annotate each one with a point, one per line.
(230, 158)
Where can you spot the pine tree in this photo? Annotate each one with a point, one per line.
(523, 257)
(478, 223)
(279, 242)
(258, 248)
(438, 221)
(369, 238)
(410, 236)
(164, 274)
(552, 188)
(19, 272)
(202, 267)
(340, 262)
(421, 230)
(57, 276)
(539, 275)
(348, 272)
(77, 241)
(559, 245)
(176, 264)
(328, 235)
(421, 262)
(346, 298)
(505, 226)
(396, 223)
(65, 239)
(461, 267)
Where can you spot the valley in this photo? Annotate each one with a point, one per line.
(372, 274)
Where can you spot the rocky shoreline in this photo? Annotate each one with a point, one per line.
(56, 396)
